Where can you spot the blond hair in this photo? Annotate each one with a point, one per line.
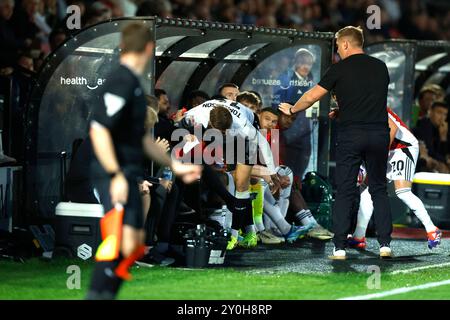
(354, 34)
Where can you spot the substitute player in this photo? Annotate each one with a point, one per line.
(402, 160)
(234, 119)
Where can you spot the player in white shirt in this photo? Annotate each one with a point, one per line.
(212, 114)
(402, 160)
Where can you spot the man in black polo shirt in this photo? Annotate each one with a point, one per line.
(361, 85)
(119, 141)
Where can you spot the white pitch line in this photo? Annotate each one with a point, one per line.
(439, 265)
(398, 291)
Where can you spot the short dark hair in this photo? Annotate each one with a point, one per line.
(220, 118)
(248, 96)
(153, 8)
(440, 104)
(271, 110)
(217, 97)
(135, 37)
(198, 93)
(228, 85)
(256, 93)
(160, 92)
(54, 33)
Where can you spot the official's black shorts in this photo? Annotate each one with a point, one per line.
(133, 212)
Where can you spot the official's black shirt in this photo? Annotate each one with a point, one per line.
(122, 110)
(360, 83)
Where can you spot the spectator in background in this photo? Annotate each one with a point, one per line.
(247, 12)
(227, 12)
(433, 132)
(202, 10)
(20, 89)
(101, 10)
(50, 11)
(161, 8)
(29, 23)
(128, 7)
(57, 37)
(26, 63)
(11, 44)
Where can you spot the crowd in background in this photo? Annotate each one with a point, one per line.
(32, 28)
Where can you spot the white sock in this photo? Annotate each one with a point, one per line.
(231, 186)
(286, 192)
(268, 196)
(416, 205)
(283, 203)
(260, 227)
(250, 228)
(228, 219)
(243, 194)
(270, 226)
(364, 214)
(305, 217)
(234, 233)
(274, 213)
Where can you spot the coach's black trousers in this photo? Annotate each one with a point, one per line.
(355, 145)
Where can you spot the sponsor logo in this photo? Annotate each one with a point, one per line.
(81, 81)
(84, 251)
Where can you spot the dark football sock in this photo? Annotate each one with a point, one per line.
(105, 283)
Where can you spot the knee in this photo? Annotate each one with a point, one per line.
(129, 246)
(404, 194)
(242, 185)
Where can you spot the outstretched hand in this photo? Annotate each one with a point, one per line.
(187, 172)
(285, 108)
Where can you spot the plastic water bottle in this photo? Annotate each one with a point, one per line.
(167, 174)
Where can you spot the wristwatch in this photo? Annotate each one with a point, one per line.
(290, 110)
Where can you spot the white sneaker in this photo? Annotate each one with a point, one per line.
(339, 254)
(268, 238)
(385, 251)
(320, 233)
